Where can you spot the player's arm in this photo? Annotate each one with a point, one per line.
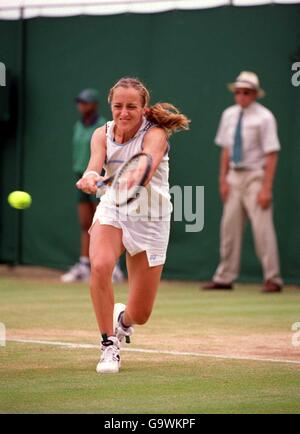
(156, 144)
(98, 153)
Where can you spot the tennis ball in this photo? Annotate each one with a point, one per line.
(19, 199)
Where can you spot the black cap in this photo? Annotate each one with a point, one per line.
(88, 95)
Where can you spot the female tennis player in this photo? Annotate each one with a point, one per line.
(136, 127)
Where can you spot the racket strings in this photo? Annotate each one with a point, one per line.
(130, 179)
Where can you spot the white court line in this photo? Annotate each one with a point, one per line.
(146, 351)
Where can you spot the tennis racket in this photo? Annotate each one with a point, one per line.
(128, 180)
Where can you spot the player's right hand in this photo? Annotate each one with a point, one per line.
(88, 183)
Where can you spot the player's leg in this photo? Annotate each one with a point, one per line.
(105, 249)
(143, 283)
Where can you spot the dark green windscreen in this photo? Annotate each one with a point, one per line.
(185, 58)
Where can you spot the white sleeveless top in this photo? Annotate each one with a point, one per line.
(156, 203)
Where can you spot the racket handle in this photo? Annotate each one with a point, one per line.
(101, 188)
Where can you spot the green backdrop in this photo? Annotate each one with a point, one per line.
(184, 57)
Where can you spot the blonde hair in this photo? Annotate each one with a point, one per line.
(163, 114)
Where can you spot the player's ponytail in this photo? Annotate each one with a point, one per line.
(168, 117)
(162, 114)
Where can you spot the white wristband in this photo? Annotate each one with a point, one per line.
(90, 172)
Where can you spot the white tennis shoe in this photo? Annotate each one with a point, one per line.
(79, 272)
(120, 331)
(110, 360)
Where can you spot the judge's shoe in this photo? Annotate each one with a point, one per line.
(270, 286)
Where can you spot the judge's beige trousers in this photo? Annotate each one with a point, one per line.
(242, 203)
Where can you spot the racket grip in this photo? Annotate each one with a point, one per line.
(101, 189)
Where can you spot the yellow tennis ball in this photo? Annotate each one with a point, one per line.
(19, 199)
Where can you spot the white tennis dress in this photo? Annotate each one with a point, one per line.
(145, 223)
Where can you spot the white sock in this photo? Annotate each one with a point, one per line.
(84, 260)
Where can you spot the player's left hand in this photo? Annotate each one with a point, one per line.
(264, 197)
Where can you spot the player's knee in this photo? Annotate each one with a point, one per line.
(140, 317)
(101, 266)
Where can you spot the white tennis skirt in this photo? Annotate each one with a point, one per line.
(139, 235)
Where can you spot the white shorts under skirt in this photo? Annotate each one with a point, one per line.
(139, 236)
